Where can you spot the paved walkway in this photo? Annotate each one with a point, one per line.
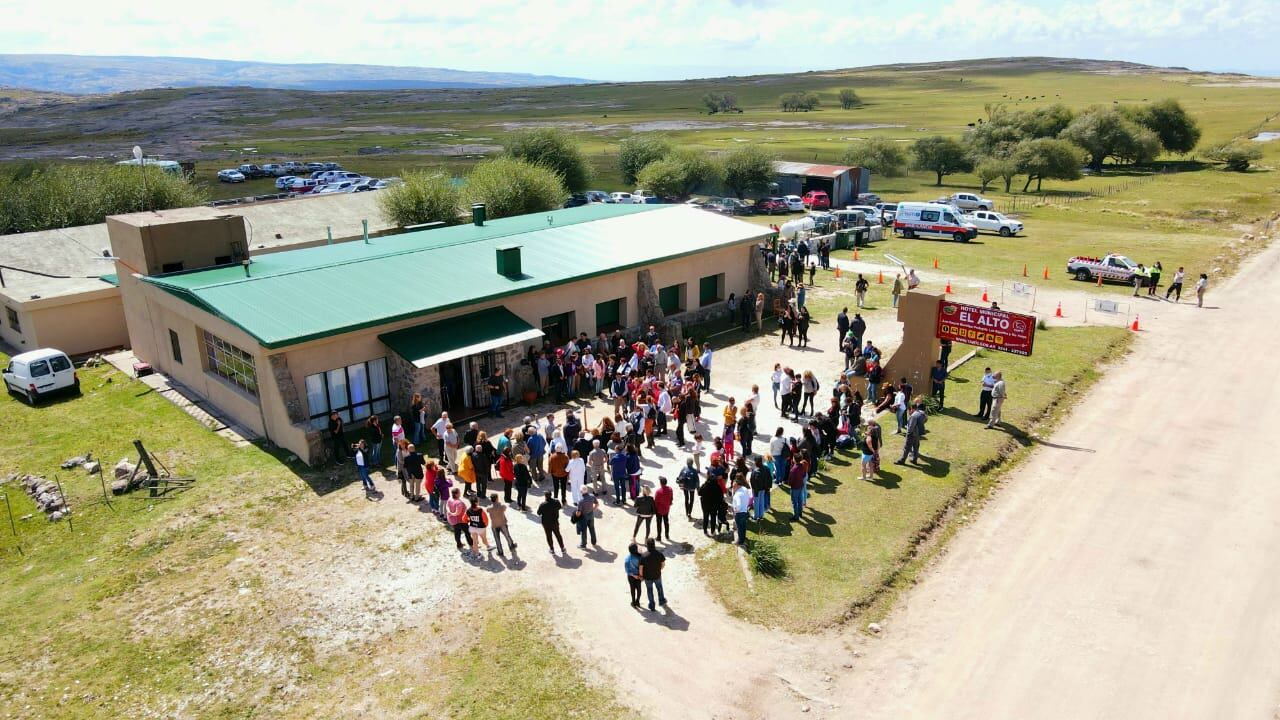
(186, 400)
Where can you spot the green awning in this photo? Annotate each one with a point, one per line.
(436, 342)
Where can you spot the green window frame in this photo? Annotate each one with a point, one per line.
(609, 315)
(671, 299)
(710, 290)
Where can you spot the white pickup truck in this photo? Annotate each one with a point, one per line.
(1112, 267)
(992, 221)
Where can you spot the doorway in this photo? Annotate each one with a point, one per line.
(452, 385)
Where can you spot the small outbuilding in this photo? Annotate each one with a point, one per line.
(841, 183)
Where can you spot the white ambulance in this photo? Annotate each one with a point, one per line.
(932, 220)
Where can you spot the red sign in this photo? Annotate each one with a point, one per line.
(985, 327)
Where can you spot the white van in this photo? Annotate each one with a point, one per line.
(38, 373)
(917, 219)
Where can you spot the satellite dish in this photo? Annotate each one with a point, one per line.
(137, 153)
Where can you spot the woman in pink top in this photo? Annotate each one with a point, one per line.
(455, 512)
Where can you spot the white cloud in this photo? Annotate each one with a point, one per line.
(648, 39)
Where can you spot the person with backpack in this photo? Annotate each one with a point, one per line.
(584, 517)
(632, 568)
(618, 472)
(761, 486)
(411, 486)
(911, 446)
(688, 482)
(633, 470)
(651, 566)
(860, 290)
(478, 523)
(558, 467)
(455, 512)
(645, 510)
(524, 478)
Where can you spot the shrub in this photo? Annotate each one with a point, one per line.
(638, 151)
(552, 148)
(882, 156)
(796, 101)
(767, 559)
(720, 102)
(508, 186)
(849, 99)
(1235, 156)
(747, 168)
(424, 196)
(42, 197)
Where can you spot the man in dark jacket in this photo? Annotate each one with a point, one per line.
(859, 328)
(842, 327)
(549, 512)
(761, 484)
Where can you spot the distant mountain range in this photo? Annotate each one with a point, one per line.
(82, 74)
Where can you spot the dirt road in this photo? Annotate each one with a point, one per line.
(1130, 568)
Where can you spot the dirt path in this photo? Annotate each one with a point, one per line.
(1130, 568)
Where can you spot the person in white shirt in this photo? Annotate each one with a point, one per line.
(1175, 287)
(664, 409)
(754, 399)
(776, 380)
(437, 431)
(741, 507)
(899, 408)
(450, 441)
(998, 394)
(577, 476)
(785, 385)
(558, 443)
(1201, 285)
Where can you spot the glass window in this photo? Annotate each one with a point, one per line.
(59, 364)
(175, 346)
(230, 362)
(929, 216)
(949, 217)
(355, 392)
(608, 316)
(40, 368)
(13, 318)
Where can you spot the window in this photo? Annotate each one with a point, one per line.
(558, 328)
(355, 392)
(610, 315)
(60, 363)
(928, 216)
(949, 217)
(171, 267)
(222, 260)
(40, 368)
(13, 318)
(671, 299)
(230, 362)
(175, 346)
(710, 290)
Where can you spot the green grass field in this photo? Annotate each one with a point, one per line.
(858, 539)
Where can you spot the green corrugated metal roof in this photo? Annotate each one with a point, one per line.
(435, 342)
(300, 295)
(110, 278)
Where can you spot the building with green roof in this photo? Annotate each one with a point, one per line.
(281, 340)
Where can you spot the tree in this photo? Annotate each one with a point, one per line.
(1047, 158)
(1235, 156)
(991, 168)
(747, 168)
(1107, 133)
(42, 197)
(664, 178)
(881, 156)
(849, 99)
(1043, 122)
(424, 196)
(941, 155)
(797, 101)
(638, 151)
(552, 148)
(720, 102)
(698, 169)
(508, 186)
(1178, 131)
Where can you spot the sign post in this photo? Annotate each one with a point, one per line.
(987, 328)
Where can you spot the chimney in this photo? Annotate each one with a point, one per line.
(508, 259)
(477, 214)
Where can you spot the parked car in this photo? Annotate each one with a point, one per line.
(795, 203)
(302, 186)
(330, 166)
(727, 206)
(917, 219)
(969, 201)
(992, 221)
(295, 168)
(817, 200)
(283, 182)
(230, 175)
(576, 200)
(38, 373)
(887, 211)
(369, 184)
(873, 215)
(250, 170)
(342, 186)
(867, 199)
(1111, 267)
(770, 206)
(274, 169)
(622, 197)
(315, 167)
(598, 196)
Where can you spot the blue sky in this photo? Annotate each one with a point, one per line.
(652, 39)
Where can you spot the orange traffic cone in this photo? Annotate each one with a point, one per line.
(948, 290)
(935, 263)
(1024, 269)
(1058, 313)
(881, 280)
(1046, 272)
(1134, 327)
(855, 253)
(837, 272)
(984, 295)
(1099, 281)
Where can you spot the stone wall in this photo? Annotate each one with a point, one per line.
(288, 391)
(648, 302)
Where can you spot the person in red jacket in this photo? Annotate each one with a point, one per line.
(662, 507)
(506, 471)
